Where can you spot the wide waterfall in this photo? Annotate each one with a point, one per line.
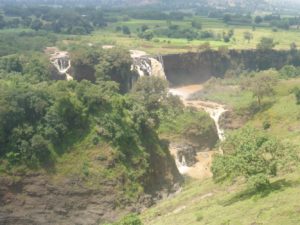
(146, 65)
(62, 62)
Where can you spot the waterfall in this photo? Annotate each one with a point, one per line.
(216, 111)
(148, 66)
(181, 164)
(157, 68)
(143, 66)
(62, 62)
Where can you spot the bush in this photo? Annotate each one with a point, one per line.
(297, 95)
(289, 71)
(259, 182)
(131, 219)
(251, 154)
(266, 125)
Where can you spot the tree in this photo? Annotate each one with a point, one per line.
(293, 47)
(258, 19)
(266, 44)
(227, 18)
(261, 85)
(197, 24)
(36, 25)
(126, 30)
(144, 28)
(248, 36)
(289, 71)
(251, 154)
(147, 35)
(297, 95)
(2, 22)
(151, 91)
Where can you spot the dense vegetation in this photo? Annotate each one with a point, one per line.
(55, 126)
(256, 178)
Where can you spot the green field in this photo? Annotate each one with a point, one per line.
(164, 45)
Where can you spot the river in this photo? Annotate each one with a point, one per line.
(201, 169)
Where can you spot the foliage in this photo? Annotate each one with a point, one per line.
(261, 85)
(266, 44)
(131, 219)
(297, 95)
(289, 71)
(251, 154)
(248, 36)
(25, 42)
(103, 65)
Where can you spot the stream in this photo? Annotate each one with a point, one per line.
(202, 168)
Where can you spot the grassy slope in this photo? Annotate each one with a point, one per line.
(282, 111)
(203, 202)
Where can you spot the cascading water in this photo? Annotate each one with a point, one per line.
(180, 161)
(62, 62)
(215, 111)
(147, 66)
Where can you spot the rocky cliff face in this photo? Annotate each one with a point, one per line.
(103, 192)
(35, 199)
(39, 198)
(189, 68)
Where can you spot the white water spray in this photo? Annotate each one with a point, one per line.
(147, 66)
(62, 62)
(215, 111)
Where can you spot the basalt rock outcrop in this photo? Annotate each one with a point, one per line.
(40, 198)
(189, 68)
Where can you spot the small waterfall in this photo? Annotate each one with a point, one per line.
(180, 160)
(215, 113)
(181, 164)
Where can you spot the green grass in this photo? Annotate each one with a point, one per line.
(179, 125)
(280, 110)
(204, 202)
(165, 45)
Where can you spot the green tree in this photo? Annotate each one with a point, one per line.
(266, 44)
(144, 28)
(151, 91)
(248, 36)
(197, 24)
(36, 25)
(251, 154)
(289, 71)
(227, 18)
(2, 22)
(261, 85)
(131, 219)
(126, 30)
(258, 19)
(297, 95)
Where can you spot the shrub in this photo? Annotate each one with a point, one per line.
(259, 182)
(251, 154)
(297, 95)
(131, 219)
(266, 125)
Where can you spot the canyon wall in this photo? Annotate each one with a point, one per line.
(189, 68)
